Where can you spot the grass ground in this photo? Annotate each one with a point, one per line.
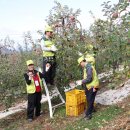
(116, 117)
(101, 118)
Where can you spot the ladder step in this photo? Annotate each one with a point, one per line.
(50, 95)
(58, 105)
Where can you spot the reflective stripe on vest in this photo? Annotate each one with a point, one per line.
(31, 88)
(48, 53)
(95, 81)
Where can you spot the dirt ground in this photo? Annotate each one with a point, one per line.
(43, 122)
(121, 122)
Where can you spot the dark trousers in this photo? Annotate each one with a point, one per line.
(50, 74)
(90, 97)
(34, 105)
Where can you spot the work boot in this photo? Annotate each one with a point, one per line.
(30, 120)
(94, 110)
(41, 113)
(87, 117)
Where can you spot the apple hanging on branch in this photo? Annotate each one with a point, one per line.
(72, 18)
(115, 15)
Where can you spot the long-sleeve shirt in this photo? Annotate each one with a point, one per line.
(44, 48)
(89, 72)
(28, 81)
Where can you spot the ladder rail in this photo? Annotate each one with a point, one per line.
(48, 98)
(52, 108)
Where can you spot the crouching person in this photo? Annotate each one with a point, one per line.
(90, 83)
(34, 88)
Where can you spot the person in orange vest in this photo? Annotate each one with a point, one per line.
(90, 83)
(33, 80)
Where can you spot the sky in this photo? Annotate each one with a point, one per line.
(19, 16)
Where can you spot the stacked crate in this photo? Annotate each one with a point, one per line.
(75, 102)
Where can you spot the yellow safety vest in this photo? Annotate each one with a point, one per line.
(48, 44)
(95, 80)
(32, 88)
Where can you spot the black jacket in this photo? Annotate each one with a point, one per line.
(27, 77)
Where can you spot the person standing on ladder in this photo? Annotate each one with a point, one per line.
(49, 49)
(90, 82)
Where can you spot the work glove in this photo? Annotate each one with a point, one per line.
(39, 69)
(47, 67)
(30, 74)
(30, 78)
(80, 54)
(72, 84)
(53, 48)
(79, 82)
(94, 90)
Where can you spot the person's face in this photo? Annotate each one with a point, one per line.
(31, 67)
(82, 64)
(49, 34)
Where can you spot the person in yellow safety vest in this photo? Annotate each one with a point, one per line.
(89, 49)
(90, 82)
(49, 49)
(34, 89)
(90, 58)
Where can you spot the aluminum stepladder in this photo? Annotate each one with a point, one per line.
(49, 97)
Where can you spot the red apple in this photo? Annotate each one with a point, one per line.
(115, 15)
(72, 18)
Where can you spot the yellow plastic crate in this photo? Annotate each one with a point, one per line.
(75, 97)
(75, 110)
